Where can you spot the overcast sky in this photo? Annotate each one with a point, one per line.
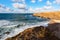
(28, 6)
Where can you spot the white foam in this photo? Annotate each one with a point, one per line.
(5, 23)
(22, 28)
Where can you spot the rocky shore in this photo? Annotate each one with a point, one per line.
(48, 15)
(51, 32)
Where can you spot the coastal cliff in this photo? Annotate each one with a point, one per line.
(39, 33)
(49, 15)
(53, 16)
(50, 32)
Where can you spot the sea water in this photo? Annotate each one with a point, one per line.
(9, 23)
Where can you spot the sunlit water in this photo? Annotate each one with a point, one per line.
(10, 22)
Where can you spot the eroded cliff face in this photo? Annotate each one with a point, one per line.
(49, 15)
(38, 33)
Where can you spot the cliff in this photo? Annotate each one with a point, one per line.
(49, 15)
(51, 32)
(39, 33)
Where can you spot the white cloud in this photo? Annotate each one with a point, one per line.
(54, 2)
(35, 10)
(1, 9)
(19, 11)
(40, 0)
(8, 9)
(38, 10)
(48, 7)
(33, 1)
(57, 1)
(30, 10)
(18, 0)
(44, 8)
(18, 5)
(4, 8)
(1, 5)
(19, 8)
(48, 2)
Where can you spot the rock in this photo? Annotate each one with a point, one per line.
(18, 26)
(0, 36)
(35, 33)
(55, 28)
(23, 24)
(48, 15)
(54, 23)
(7, 33)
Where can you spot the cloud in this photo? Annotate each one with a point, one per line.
(8, 9)
(40, 0)
(57, 1)
(20, 8)
(35, 10)
(1, 9)
(4, 8)
(18, 0)
(19, 11)
(41, 9)
(54, 2)
(48, 2)
(30, 10)
(38, 10)
(33, 1)
(47, 7)
(19, 5)
(1, 5)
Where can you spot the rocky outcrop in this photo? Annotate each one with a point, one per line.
(39, 33)
(49, 15)
(55, 28)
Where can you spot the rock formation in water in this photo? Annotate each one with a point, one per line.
(39, 33)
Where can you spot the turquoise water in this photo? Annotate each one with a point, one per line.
(16, 23)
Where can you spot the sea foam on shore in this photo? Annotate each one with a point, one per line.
(11, 27)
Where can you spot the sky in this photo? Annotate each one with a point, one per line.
(28, 6)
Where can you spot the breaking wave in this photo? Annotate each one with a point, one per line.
(15, 27)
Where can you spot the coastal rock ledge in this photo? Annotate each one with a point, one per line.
(39, 33)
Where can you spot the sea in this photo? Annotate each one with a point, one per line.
(14, 23)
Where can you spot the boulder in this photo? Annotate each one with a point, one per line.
(55, 28)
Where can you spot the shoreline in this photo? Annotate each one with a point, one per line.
(25, 27)
(53, 28)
